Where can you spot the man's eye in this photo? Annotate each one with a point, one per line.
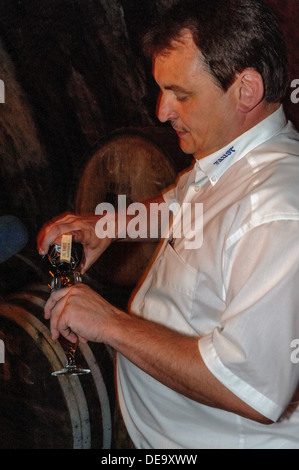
(181, 97)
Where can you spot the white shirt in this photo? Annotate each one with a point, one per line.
(239, 292)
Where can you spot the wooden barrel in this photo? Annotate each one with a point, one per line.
(37, 410)
(130, 163)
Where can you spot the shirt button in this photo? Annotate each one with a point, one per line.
(196, 189)
(214, 179)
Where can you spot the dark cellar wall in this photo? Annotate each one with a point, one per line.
(73, 73)
(80, 78)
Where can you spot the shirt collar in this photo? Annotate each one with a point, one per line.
(216, 164)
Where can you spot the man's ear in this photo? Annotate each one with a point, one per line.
(251, 90)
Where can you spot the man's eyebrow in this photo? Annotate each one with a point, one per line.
(176, 88)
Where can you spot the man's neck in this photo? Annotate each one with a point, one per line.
(261, 112)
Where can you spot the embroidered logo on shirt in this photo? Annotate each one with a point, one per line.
(227, 154)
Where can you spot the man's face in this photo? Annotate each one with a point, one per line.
(200, 112)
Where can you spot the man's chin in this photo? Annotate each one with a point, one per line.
(186, 146)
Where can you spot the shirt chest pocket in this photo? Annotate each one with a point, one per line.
(173, 273)
(170, 295)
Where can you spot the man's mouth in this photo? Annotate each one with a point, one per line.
(180, 132)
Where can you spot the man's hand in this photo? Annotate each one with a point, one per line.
(82, 228)
(78, 312)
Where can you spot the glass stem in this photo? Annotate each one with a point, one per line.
(70, 354)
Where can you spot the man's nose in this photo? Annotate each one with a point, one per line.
(165, 111)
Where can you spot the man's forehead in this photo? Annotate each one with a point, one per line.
(182, 59)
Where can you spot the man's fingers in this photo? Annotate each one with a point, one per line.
(67, 333)
(54, 307)
(50, 237)
(53, 311)
(55, 296)
(52, 231)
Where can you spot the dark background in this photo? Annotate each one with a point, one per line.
(74, 73)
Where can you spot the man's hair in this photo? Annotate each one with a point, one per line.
(232, 35)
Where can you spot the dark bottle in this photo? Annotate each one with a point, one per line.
(65, 269)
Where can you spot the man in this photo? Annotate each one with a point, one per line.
(204, 358)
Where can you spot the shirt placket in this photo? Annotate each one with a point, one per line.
(190, 197)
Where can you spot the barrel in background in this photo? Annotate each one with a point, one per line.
(38, 411)
(132, 164)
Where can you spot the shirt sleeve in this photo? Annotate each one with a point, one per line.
(251, 352)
